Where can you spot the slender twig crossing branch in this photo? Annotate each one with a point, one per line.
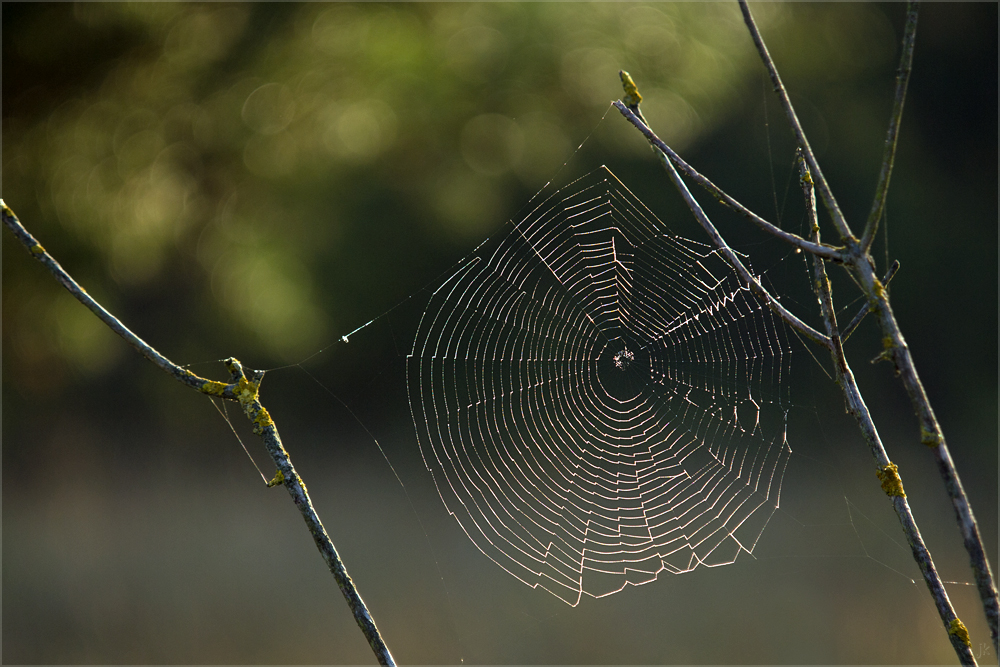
(241, 389)
(857, 260)
(850, 328)
(931, 435)
(892, 134)
(800, 136)
(899, 352)
(887, 471)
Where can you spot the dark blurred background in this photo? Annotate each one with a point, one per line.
(257, 180)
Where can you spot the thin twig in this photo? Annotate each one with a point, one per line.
(241, 389)
(265, 428)
(825, 251)
(857, 257)
(846, 236)
(220, 389)
(888, 473)
(898, 351)
(720, 243)
(892, 134)
(931, 435)
(850, 328)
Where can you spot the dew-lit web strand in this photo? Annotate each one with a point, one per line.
(771, 479)
(223, 412)
(439, 421)
(551, 417)
(373, 320)
(345, 338)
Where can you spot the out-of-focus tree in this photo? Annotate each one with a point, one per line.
(225, 157)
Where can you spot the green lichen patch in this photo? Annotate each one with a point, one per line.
(930, 438)
(632, 96)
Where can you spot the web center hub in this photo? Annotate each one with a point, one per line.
(623, 359)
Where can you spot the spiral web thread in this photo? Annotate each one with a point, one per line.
(598, 400)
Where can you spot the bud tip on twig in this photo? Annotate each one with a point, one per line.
(632, 96)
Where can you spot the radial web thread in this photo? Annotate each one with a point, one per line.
(598, 400)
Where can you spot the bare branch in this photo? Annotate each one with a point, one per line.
(719, 242)
(888, 472)
(825, 251)
(857, 257)
(220, 389)
(241, 389)
(265, 428)
(931, 435)
(846, 236)
(892, 134)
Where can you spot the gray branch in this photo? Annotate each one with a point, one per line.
(241, 389)
(892, 134)
(800, 136)
(822, 250)
(858, 260)
(931, 435)
(855, 257)
(660, 149)
(887, 471)
(865, 309)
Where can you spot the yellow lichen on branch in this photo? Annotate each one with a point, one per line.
(957, 629)
(261, 421)
(891, 483)
(279, 478)
(246, 392)
(213, 388)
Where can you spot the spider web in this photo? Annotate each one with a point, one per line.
(598, 400)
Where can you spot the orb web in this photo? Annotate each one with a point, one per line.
(598, 400)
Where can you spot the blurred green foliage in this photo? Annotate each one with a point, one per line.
(231, 155)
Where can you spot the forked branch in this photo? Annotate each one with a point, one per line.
(241, 389)
(856, 258)
(634, 116)
(713, 233)
(865, 309)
